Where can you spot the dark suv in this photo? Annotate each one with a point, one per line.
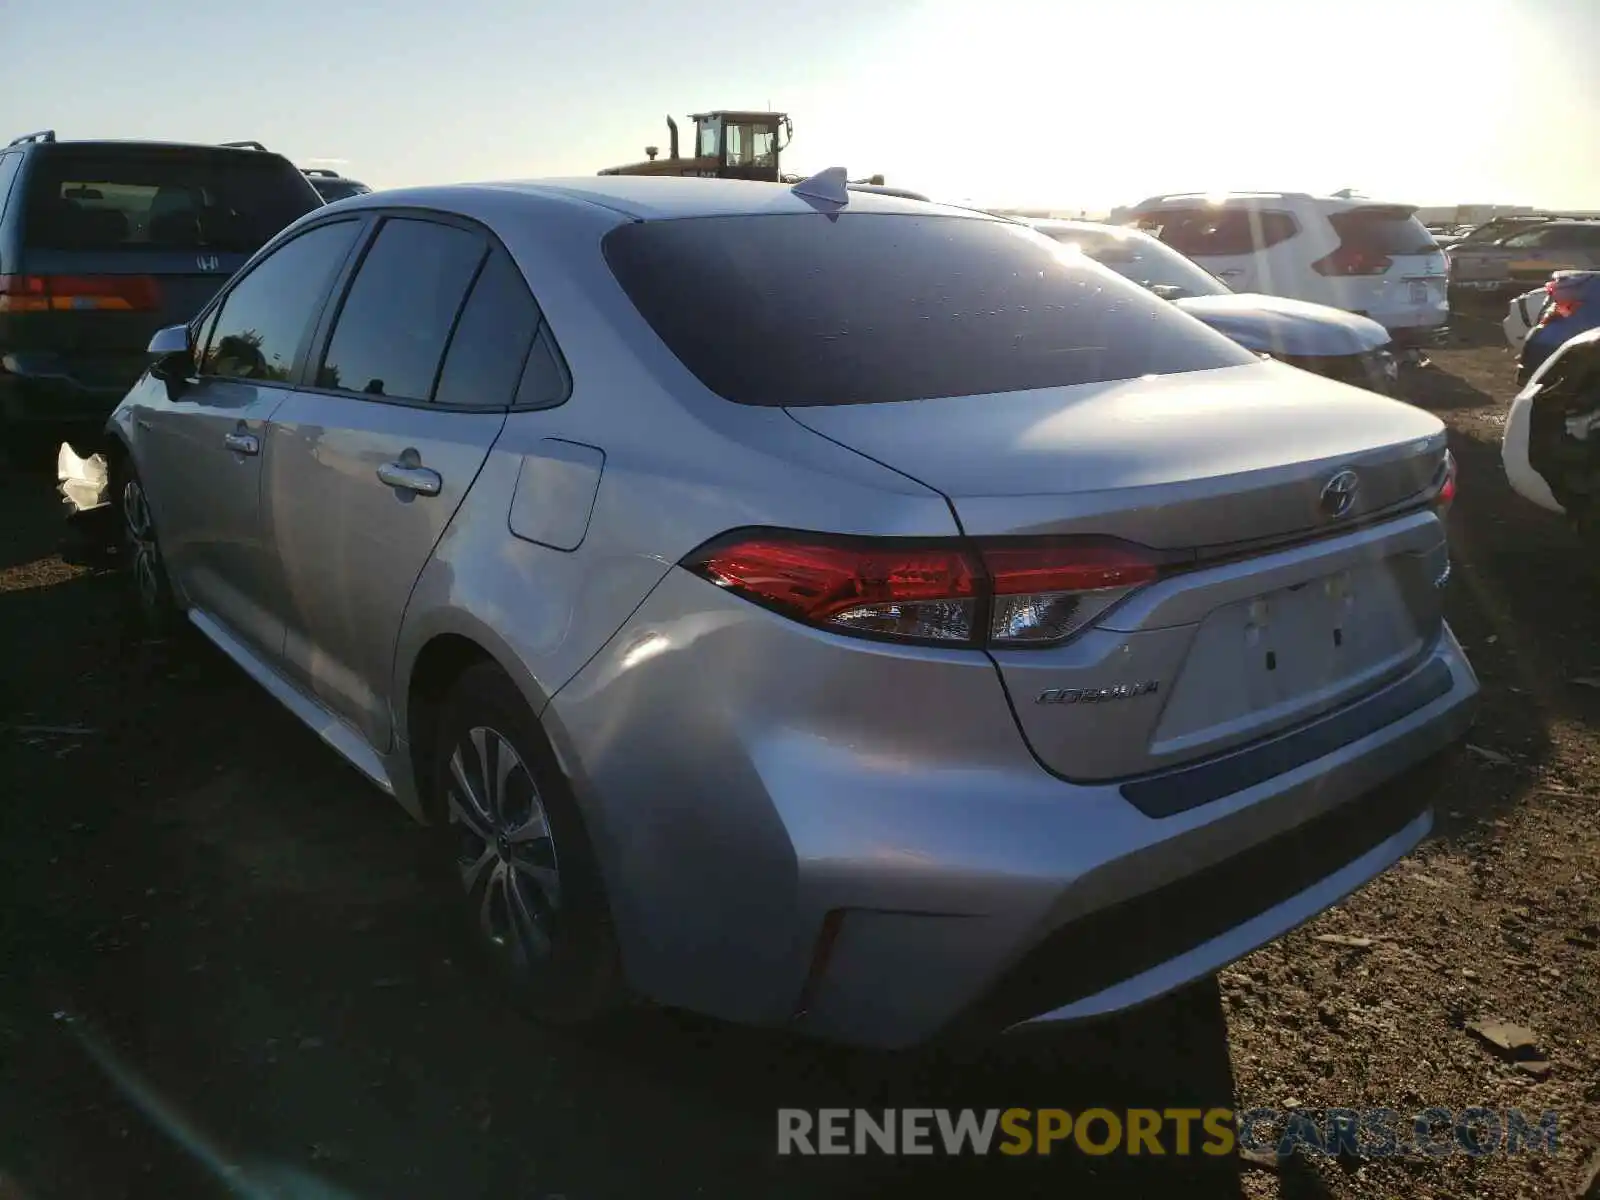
(333, 186)
(103, 243)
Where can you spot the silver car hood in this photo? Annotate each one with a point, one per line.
(1198, 458)
(1278, 325)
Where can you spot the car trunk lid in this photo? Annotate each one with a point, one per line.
(1203, 459)
(1229, 474)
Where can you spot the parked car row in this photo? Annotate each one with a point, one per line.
(1524, 253)
(1315, 337)
(1373, 259)
(816, 608)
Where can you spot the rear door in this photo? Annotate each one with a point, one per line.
(200, 447)
(369, 460)
(119, 240)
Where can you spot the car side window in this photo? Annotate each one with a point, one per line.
(202, 338)
(1575, 237)
(545, 379)
(1201, 233)
(10, 164)
(397, 317)
(1528, 241)
(263, 319)
(491, 340)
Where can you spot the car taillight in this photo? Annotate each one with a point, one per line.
(1012, 594)
(1047, 593)
(77, 293)
(1559, 306)
(1352, 260)
(1445, 494)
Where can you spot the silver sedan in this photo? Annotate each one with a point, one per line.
(810, 607)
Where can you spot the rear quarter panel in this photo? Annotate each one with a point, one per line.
(680, 467)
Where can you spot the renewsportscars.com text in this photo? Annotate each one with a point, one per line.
(1361, 1133)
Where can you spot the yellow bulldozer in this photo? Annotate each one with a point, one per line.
(728, 144)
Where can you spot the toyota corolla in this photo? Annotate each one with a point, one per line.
(813, 608)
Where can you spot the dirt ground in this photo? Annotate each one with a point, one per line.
(222, 974)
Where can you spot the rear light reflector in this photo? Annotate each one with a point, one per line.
(1045, 594)
(1014, 594)
(78, 293)
(1445, 496)
(1351, 260)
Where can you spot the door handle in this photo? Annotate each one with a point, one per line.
(1229, 273)
(242, 443)
(408, 477)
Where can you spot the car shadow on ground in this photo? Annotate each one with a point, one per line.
(1440, 391)
(224, 949)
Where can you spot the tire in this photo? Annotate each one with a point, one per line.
(518, 856)
(150, 587)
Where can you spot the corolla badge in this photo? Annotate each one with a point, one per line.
(1339, 494)
(1118, 691)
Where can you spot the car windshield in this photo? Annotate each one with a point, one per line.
(801, 309)
(162, 198)
(1141, 258)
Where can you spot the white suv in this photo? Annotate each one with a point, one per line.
(1349, 252)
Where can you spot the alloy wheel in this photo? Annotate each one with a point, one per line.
(141, 537)
(505, 855)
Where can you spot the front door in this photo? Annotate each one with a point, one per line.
(367, 467)
(202, 447)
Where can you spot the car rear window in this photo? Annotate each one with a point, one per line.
(339, 189)
(161, 199)
(806, 309)
(1388, 231)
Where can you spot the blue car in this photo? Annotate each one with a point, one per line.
(1574, 307)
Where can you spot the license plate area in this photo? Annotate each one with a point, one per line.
(1283, 656)
(1419, 291)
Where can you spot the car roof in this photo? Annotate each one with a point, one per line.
(93, 144)
(656, 198)
(1253, 199)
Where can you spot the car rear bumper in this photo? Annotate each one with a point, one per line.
(42, 389)
(1376, 370)
(894, 864)
(1411, 337)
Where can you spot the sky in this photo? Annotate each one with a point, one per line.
(1050, 103)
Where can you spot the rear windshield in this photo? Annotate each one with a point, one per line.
(1383, 231)
(161, 199)
(803, 309)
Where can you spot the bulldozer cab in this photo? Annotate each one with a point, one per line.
(727, 145)
(744, 145)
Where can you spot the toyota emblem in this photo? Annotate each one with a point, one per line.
(1339, 494)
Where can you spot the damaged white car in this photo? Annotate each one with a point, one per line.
(1551, 446)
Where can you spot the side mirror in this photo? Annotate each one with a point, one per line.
(171, 353)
